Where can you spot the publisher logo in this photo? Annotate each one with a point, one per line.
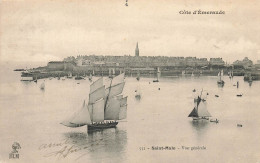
(14, 154)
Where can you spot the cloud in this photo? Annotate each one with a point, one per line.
(27, 57)
(52, 30)
(179, 44)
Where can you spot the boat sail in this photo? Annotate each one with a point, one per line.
(35, 79)
(230, 74)
(200, 110)
(183, 73)
(90, 77)
(220, 81)
(42, 85)
(26, 76)
(158, 74)
(106, 105)
(83, 116)
(69, 75)
(138, 76)
(79, 77)
(78, 119)
(138, 93)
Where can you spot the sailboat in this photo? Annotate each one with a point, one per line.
(26, 75)
(250, 79)
(90, 77)
(192, 75)
(138, 76)
(114, 72)
(69, 75)
(183, 73)
(220, 81)
(230, 74)
(42, 85)
(35, 79)
(78, 77)
(106, 105)
(58, 77)
(138, 93)
(158, 73)
(200, 110)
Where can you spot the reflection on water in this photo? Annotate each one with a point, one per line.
(43, 90)
(200, 127)
(250, 83)
(26, 83)
(29, 116)
(100, 145)
(221, 85)
(138, 98)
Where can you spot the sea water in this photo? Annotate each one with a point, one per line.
(157, 127)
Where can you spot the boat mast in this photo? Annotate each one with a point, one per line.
(201, 92)
(108, 93)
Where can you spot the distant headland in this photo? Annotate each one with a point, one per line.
(143, 65)
(99, 65)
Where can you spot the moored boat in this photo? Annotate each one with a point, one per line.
(138, 76)
(157, 75)
(214, 120)
(239, 95)
(138, 93)
(79, 77)
(26, 76)
(42, 87)
(239, 125)
(90, 77)
(220, 81)
(69, 75)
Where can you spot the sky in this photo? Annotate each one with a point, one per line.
(47, 30)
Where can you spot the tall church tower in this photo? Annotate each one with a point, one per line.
(137, 50)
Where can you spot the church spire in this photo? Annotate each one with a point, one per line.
(137, 50)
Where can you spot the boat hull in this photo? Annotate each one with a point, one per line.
(199, 118)
(102, 126)
(215, 121)
(221, 82)
(79, 78)
(27, 78)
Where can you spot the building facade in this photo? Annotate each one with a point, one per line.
(246, 63)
